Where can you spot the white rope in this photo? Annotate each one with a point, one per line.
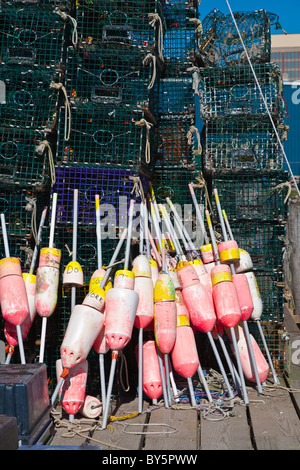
(154, 18)
(146, 61)
(65, 17)
(59, 86)
(148, 126)
(264, 100)
(195, 75)
(189, 136)
(31, 207)
(40, 149)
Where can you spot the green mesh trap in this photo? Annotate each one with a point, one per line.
(123, 21)
(271, 286)
(174, 148)
(242, 143)
(174, 184)
(21, 164)
(232, 91)
(106, 74)
(181, 14)
(274, 334)
(174, 95)
(180, 44)
(19, 247)
(31, 35)
(30, 100)
(252, 195)
(103, 134)
(220, 44)
(264, 243)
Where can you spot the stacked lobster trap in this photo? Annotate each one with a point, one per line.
(242, 150)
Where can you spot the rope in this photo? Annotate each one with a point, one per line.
(148, 126)
(198, 30)
(137, 187)
(59, 86)
(31, 207)
(40, 150)
(190, 134)
(29, 253)
(195, 77)
(124, 362)
(154, 17)
(264, 100)
(66, 17)
(201, 183)
(280, 187)
(146, 61)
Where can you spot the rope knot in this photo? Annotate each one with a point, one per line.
(148, 126)
(189, 136)
(40, 149)
(137, 187)
(60, 86)
(151, 57)
(67, 17)
(154, 17)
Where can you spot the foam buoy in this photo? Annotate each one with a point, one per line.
(72, 395)
(225, 296)
(91, 408)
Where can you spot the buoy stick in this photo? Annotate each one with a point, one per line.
(140, 371)
(204, 383)
(156, 224)
(231, 367)
(43, 339)
(276, 380)
(171, 231)
(102, 380)
(113, 258)
(56, 390)
(232, 331)
(74, 246)
(222, 370)
(185, 235)
(52, 223)
(7, 255)
(155, 252)
(163, 381)
(198, 213)
(39, 235)
(146, 230)
(98, 231)
(245, 325)
(192, 392)
(109, 388)
(127, 252)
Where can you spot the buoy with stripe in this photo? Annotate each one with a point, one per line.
(143, 285)
(73, 390)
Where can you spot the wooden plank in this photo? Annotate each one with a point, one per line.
(177, 429)
(274, 421)
(232, 433)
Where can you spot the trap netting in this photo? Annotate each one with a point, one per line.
(220, 45)
(232, 91)
(242, 143)
(118, 74)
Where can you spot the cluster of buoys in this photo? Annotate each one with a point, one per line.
(172, 290)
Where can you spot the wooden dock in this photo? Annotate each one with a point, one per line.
(270, 421)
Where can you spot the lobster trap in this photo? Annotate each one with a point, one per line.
(180, 44)
(264, 242)
(19, 247)
(126, 22)
(232, 91)
(220, 44)
(252, 195)
(30, 101)
(32, 35)
(180, 14)
(242, 143)
(175, 146)
(23, 162)
(22, 209)
(106, 74)
(115, 188)
(271, 286)
(174, 95)
(104, 134)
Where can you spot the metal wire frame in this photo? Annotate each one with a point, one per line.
(219, 43)
(29, 101)
(20, 163)
(271, 285)
(103, 134)
(252, 195)
(108, 74)
(232, 91)
(119, 21)
(31, 35)
(175, 95)
(115, 188)
(242, 143)
(180, 44)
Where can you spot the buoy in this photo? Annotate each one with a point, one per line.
(164, 313)
(121, 307)
(151, 380)
(143, 285)
(47, 280)
(203, 275)
(72, 395)
(13, 295)
(91, 408)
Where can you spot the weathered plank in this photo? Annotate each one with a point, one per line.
(177, 429)
(274, 421)
(232, 433)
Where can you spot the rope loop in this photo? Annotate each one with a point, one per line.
(40, 149)
(59, 86)
(154, 17)
(148, 126)
(151, 57)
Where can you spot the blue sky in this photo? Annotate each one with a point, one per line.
(288, 11)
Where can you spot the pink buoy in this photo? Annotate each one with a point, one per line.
(203, 275)
(154, 271)
(196, 298)
(143, 285)
(165, 315)
(72, 394)
(228, 252)
(100, 344)
(184, 353)
(225, 296)
(47, 281)
(261, 363)
(152, 384)
(84, 326)
(242, 288)
(207, 253)
(13, 295)
(121, 307)
(91, 408)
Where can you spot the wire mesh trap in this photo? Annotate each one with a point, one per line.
(31, 35)
(114, 186)
(271, 286)
(174, 95)
(220, 44)
(106, 74)
(252, 195)
(242, 143)
(103, 134)
(124, 22)
(232, 91)
(29, 102)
